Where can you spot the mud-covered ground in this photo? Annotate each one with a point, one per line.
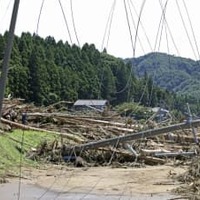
(60, 182)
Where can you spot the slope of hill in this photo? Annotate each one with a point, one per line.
(177, 74)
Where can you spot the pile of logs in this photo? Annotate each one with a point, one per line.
(100, 139)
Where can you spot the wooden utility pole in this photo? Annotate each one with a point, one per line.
(135, 136)
(7, 53)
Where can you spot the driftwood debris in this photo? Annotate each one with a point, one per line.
(25, 127)
(190, 180)
(135, 136)
(101, 139)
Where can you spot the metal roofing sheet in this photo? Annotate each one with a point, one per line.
(90, 102)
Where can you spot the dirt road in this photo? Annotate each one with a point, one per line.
(99, 182)
(108, 180)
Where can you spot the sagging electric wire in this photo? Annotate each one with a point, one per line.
(163, 25)
(123, 191)
(73, 22)
(7, 8)
(106, 33)
(65, 19)
(129, 28)
(172, 38)
(167, 27)
(65, 185)
(108, 26)
(20, 166)
(133, 43)
(167, 40)
(85, 195)
(55, 180)
(160, 26)
(129, 7)
(164, 10)
(38, 22)
(192, 29)
(113, 153)
(139, 39)
(144, 90)
(141, 25)
(185, 28)
(47, 190)
(137, 27)
(147, 38)
(134, 48)
(73, 152)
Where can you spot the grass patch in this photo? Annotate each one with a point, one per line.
(12, 151)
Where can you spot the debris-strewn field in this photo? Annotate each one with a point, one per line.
(85, 139)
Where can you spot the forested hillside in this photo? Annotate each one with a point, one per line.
(44, 71)
(176, 74)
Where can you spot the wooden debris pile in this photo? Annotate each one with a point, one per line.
(76, 129)
(191, 180)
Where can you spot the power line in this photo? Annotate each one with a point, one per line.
(65, 19)
(141, 24)
(133, 43)
(135, 25)
(73, 22)
(107, 29)
(163, 22)
(185, 28)
(192, 29)
(129, 28)
(20, 166)
(67, 181)
(160, 26)
(41, 7)
(108, 26)
(7, 8)
(166, 35)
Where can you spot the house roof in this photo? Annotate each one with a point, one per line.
(158, 109)
(90, 102)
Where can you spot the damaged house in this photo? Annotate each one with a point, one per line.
(85, 104)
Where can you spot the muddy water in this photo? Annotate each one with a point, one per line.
(9, 191)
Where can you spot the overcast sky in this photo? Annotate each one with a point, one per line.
(179, 32)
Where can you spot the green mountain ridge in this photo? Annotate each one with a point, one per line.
(176, 74)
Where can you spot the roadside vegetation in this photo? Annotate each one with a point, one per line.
(14, 147)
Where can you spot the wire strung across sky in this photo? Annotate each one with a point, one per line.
(163, 26)
(39, 16)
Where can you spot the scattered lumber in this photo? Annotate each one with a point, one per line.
(174, 154)
(153, 151)
(150, 160)
(75, 138)
(135, 136)
(98, 138)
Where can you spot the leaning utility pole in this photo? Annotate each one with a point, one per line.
(7, 53)
(133, 136)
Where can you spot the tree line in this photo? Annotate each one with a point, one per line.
(44, 71)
